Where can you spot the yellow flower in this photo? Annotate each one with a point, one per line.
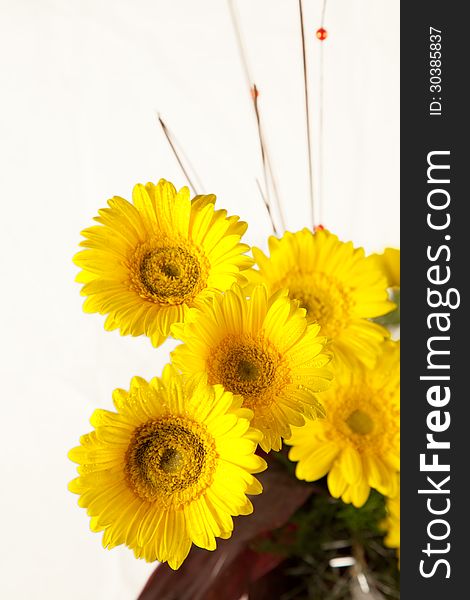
(336, 284)
(263, 349)
(389, 263)
(148, 262)
(357, 443)
(392, 521)
(170, 468)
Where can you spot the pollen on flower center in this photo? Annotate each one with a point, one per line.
(364, 418)
(249, 367)
(167, 272)
(169, 460)
(171, 270)
(324, 299)
(248, 371)
(360, 422)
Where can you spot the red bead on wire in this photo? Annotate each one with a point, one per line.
(322, 34)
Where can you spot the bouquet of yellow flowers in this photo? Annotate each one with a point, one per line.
(271, 438)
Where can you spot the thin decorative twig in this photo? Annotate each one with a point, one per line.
(240, 45)
(275, 189)
(321, 105)
(268, 208)
(267, 167)
(171, 139)
(307, 116)
(265, 195)
(253, 91)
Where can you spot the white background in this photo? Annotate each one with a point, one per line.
(81, 82)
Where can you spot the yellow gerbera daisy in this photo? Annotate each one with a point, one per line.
(389, 263)
(170, 468)
(357, 443)
(338, 286)
(263, 349)
(148, 262)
